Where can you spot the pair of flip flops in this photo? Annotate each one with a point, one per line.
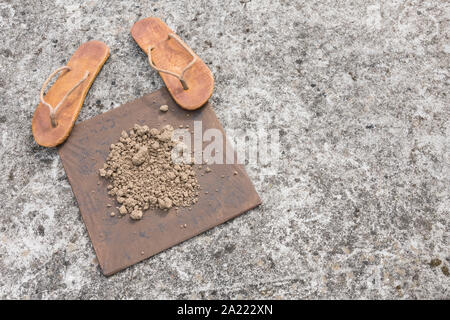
(185, 75)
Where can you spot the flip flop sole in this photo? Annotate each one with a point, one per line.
(90, 56)
(170, 55)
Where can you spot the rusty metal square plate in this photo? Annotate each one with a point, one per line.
(121, 242)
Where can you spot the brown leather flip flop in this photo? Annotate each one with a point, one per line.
(56, 114)
(188, 79)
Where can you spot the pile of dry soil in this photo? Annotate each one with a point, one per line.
(142, 174)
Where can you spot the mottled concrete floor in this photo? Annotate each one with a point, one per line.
(359, 93)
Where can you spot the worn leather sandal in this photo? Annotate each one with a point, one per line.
(188, 79)
(59, 108)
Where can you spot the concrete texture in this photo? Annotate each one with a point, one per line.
(358, 92)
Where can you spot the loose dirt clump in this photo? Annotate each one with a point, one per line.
(142, 174)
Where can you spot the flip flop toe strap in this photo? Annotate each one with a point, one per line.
(189, 65)
(55, 109)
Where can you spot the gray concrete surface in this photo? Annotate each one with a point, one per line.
(359, 94)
